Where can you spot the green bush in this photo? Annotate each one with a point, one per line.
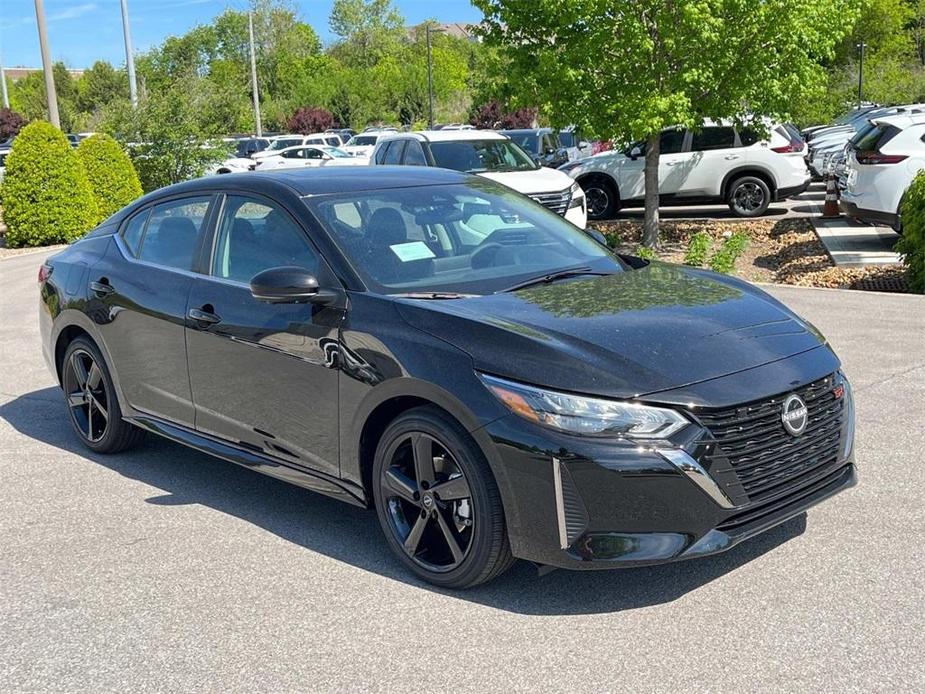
(110, 172)
(46, 196)
(911, 246)
(724, 259)
(698, 248)
(645, 253)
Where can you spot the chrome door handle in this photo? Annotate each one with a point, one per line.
(201, 316)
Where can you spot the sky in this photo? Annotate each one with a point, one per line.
(83, 31)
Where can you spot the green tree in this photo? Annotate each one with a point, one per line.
(627, 70)
(110, 173)
(368, 29)
(46, 196)
(99, 86)
(27, 96)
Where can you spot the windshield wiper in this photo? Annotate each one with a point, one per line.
(552, 277)
(434, 295)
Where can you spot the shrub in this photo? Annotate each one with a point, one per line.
(645, 253)
(308, 120)
(110, 172)
(10, 123)
(46, 196)
(698, 248)
(724, 259)
(911, 246)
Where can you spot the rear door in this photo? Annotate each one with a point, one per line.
(264, 376)
(713, 152)
(672, 158)
(142, 286)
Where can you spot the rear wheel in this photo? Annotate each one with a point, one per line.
(600, 196)
(437, 501)
(93, 408)
(749, 196)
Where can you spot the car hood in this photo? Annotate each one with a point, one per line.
(542, 180)
(624, 335)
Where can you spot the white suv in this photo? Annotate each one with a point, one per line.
(489, 154)
(881, 164)
(719, 163)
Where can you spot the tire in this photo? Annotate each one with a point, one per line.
(92, 405)
(413, 514)
(601, 196)
(748, 196)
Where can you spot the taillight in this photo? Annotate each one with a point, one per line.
(878, 158)
(44, 272)
(792, 148)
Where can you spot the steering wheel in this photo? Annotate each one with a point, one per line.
(484, 256)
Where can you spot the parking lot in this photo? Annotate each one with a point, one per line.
(164, 569)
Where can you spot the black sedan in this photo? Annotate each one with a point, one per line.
(494, 381)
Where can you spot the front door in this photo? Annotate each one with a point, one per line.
(263, 375)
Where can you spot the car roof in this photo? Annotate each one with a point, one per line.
(527, 131)
(901, 120)
(448, 135)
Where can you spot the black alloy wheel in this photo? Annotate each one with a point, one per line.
(600, 197)
(749, 197)
(93, 408)
(437, 501)
(86, 397)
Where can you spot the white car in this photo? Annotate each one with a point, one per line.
(308, 155)
(717, 164)
(281, 142)
(489, 154)
(880, 167)
(362, 144)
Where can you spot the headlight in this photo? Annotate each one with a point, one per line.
(576, 196)
(576, 414)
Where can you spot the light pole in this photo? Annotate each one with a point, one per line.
(861, 47)
(250, 30)
(47, 67)
(430, 76)
(129, 57)
(6, 97)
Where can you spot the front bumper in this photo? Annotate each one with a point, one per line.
(584, 503)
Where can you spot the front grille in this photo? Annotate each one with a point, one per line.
(767, 460)
(557, 202)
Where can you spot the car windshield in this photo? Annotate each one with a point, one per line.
(527, 141)
(362, 141)
(479, 156)
(283, 143)
(478, 237)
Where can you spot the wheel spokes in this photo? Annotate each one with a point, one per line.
(80, 369)
(450, 537)
(453, 489)
(414, 537)
(99, 408)
(94, 377)
(401, 485)
(422, 447)
(77, 399)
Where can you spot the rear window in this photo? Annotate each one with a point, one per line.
(876, 137)
(713, 138)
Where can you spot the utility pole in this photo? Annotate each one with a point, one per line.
(129, 57)
(250, 29)
(47, 67)
(6, 97)
(430, 79)
(861, 47)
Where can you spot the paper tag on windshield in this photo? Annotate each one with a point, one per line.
(414, 250)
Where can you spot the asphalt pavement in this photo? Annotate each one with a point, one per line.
(165, 570)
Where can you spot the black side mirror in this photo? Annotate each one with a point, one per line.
(597, 236)
(290, 285)
(635, 153)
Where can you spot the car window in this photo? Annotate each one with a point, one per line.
(876, 137)
(475, 156)
(380, 154)
(254, 236)
(671, 141)
(748, 136)
(313, 153)
(133, 231)
(393, 155)
(293, 154)
(713, 138)
(172, 235)
(414, 154)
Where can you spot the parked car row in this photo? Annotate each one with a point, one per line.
(717, 164)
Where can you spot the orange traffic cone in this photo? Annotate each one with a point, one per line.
(830, 209)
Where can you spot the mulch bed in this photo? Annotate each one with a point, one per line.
(783, 251)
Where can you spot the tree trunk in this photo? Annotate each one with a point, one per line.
(650, 222)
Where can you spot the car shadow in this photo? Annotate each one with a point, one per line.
(351, 535)
(670, 213)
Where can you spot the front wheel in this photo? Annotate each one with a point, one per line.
(749, 196)
(601, 197)
(437, 501)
